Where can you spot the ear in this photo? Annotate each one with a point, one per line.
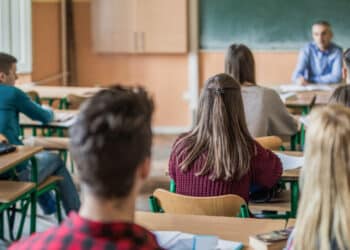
(2, 77)
(145, 168)
(345, 73)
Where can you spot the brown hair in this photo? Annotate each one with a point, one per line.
(323, 220)
(341, 96)
(220, 130)
(6, 62)
(239, 63)
(111, 137)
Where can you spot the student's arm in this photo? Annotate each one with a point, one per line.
(336, 75)
(301, 65)
(280, 122)
(31, 109)
(266, 168)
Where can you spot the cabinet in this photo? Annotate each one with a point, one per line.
(139, 26)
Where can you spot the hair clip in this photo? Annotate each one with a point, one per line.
(219, 91)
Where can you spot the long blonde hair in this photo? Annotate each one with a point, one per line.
(323, 218)
(220, 131)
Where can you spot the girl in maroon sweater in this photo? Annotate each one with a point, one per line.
(219, 156)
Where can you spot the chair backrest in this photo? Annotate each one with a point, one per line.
(74, 101)
(34, 96)
(270, 142)
(224, 205)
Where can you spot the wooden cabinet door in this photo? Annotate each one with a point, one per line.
(161, 26)
(114, 25)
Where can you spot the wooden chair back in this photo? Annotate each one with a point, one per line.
(270, 142)
(34, 96)
(224, 205)
(74, 101)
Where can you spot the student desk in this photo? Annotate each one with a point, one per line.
(11, 160)
(52, 93)
(291, 222)
(26, 122)
(227, 228)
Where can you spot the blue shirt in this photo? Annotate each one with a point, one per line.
(12, 102)
(318, 66)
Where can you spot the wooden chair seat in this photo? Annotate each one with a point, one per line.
(224, 205)
(50, 143)
(279, 204)
(49, 180)
(11, 190)
(270, 142)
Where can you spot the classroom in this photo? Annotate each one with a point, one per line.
(174, 124)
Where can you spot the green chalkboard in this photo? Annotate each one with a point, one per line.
(270, 24)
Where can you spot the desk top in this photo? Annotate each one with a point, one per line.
(23, 153)
(227, 228)
(58, 92)
(26, 121)
(291, 222)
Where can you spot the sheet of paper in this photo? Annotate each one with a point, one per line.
(290, 162)
(298, 88)
(285, 96)
(62, 117)
(175, 240)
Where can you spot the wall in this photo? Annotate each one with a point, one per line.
(165, 76)
(272, 68)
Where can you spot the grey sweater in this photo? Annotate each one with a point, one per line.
(265, 113)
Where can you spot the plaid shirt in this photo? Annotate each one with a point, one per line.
(78, 233)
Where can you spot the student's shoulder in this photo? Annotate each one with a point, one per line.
(268, 92)
(10, 90)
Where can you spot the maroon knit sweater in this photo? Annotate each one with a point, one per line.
(266, 169)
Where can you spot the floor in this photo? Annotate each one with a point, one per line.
(160, 155)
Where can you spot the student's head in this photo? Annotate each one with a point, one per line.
(220, 130)
(322, 34)
(323, 214)
(111, 142)
(239, 63)
(341, 96)
(8, 69)
(346, 57)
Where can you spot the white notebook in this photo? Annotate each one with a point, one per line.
(290, 162)
(175, 240)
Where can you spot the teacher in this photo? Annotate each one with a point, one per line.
(319, 61)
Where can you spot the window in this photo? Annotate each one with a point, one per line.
(16, 32)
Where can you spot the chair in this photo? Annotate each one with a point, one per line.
(34, 96)
(270, 142)
(73, 101)
(224, 205)
(15, 197)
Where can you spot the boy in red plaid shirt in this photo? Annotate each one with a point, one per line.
(111, 146)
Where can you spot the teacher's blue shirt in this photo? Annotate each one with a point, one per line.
(12, 102)
(318, 66)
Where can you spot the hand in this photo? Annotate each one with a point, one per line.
(301, 81)
(3, 139)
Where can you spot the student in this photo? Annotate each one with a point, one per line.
(341, 96)
(14, 101)
(265, 112)
(323, 220)
(219, 156)
(111, 145)
(321, 60)
(346, 69)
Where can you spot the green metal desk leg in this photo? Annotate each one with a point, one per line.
(34, 173)
(172, 187)
(294, 198)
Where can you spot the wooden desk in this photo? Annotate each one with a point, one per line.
(59, 92)
(227, 228)
(23, 153)
(291, 222)
(26, 122)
